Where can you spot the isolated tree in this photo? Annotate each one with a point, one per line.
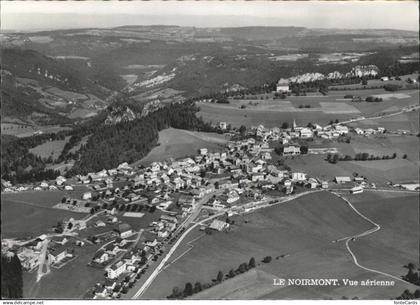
(405, 156)
(304, 149)
(63, 200)
(243, 268)
(176, 292)
(188, 290)
(267, 259)
(251, 263)
(197, 287)
(242, 129)
(285, 125)
(231, 273)
(220, 276)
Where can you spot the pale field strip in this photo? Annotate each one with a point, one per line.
(388, 96)
(287, 106)
(133, 214)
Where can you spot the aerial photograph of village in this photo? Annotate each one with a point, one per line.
(210, 150)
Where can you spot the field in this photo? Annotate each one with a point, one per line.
(177, 143)
(31, 213)
(23, 130)
(302, 229)
(398, 217)
(271, 113)
(50, 148)
(405, 121)
(379, 172)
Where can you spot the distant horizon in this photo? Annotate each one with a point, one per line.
(81, 27)
(31, 16)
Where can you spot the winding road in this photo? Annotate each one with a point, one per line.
(348, 239)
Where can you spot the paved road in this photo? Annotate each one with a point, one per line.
(43, 260)
(160, 267)
(375, 117)
(152, 277)
(348, 239)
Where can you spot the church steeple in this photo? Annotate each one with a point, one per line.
(294, 125)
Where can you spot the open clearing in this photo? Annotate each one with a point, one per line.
(177, 143)
(50, 148)
(304, 229)
(23, 130)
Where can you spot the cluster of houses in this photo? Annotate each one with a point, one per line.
(369, 131)
(285, 136)
(60, 249)
(58, 184)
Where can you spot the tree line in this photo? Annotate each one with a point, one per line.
(334, 158)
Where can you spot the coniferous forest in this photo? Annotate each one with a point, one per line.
(11, 276)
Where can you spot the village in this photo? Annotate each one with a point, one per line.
(245, 176)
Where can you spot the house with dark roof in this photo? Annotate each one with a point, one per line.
(125, 230)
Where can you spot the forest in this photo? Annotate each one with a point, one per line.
(11, 276)
(127, 142)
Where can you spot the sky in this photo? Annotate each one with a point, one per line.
(40, 15)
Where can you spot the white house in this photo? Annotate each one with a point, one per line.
(223, 125)
(342, 179)
(87, 196)
(125, 230)
(291, 150)
(60, 180)
(356, 190)
(56, 255)
(203, 151)
(116, 270)
(298, 176)
(219, 225)
(342, 130)
(306, 133)
(283, 86)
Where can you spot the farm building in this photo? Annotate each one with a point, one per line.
(298, 176)
(291, 150)
(340, 180)
(283, 86)
(125, 230)
(219, 225)
(356, 190)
